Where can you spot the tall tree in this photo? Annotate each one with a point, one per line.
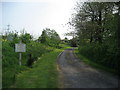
(97, 23)
(43, 37)
(91, 19)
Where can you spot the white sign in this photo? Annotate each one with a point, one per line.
(20, 47)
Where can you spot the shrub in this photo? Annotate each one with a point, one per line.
(102, 54)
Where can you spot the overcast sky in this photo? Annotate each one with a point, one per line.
(35, 15)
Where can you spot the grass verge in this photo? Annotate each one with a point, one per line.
(44, 73)
(95, 65)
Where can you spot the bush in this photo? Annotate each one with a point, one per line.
(102, 54)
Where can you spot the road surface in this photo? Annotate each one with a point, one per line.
(73, 73)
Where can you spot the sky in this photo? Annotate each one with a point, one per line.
(34, 16)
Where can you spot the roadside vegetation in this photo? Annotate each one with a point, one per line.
(94, 64)
(44, 73)
(97, 32)
(38, 62)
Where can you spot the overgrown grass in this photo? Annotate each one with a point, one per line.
(43, 74)
(9, 75)
(94, 64)
(10, 67)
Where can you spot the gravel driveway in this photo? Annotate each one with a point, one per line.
(74, 73)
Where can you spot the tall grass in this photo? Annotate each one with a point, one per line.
(43, 74)
(10, 59)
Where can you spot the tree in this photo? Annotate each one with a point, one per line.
(49, 37)
(43, 37)
(91, 19)
(65, 40)
(26, 38)
(74, 42)
(97, 27)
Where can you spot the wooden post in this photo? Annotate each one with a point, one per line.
(20, 57)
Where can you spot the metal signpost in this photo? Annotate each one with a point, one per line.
(20, 47)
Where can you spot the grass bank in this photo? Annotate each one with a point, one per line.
(44, 73)
(94, 64)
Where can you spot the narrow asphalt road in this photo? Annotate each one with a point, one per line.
(74, 73)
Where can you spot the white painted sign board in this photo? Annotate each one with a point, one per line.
(20, 47)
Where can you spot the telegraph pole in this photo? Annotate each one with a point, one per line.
(8, 29)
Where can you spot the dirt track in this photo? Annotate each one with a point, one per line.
(73, 73)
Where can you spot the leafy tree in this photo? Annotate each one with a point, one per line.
(74, 42)
(91, 19)
(49, 37)
(96, 24)
(65, 40)
(26, 38)
(43, 37)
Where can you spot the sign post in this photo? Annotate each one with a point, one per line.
(20, 57)
(20, 47)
